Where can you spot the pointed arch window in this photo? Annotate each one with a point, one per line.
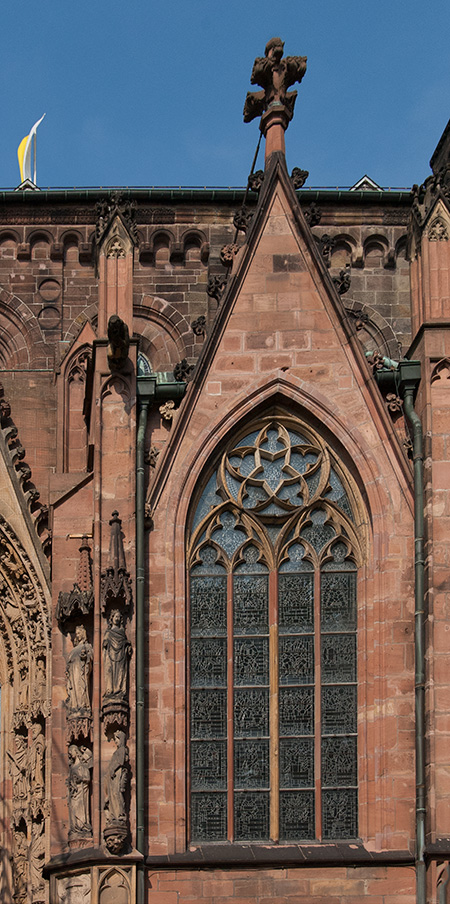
(273, 553)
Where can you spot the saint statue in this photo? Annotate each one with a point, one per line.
(80, 759)
(40, 681)
(78, 672)
(18, 768)
(116, 782)
(116, 655)
(36, 761)
(36, 855)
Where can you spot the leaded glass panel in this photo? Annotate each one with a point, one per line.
(296, 659)
(297, 815)
(209, 817)
(338, 658)
(296, 603)
(208, 765)
(296, 762)
(338, 762)
(208, 605)
(251, 713)
(208, 714)
(230, 535)
(251, 660)
(338, 601)
(209, 662)
(339, 709)
(208, 500)
(251, 764)
(251, 816)
(251, 604)
(337, 494)
(296, 707)
(340, 813)
(318, 532)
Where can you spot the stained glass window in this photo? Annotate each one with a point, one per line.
(273, 555)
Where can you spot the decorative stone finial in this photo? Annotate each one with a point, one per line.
(275, 104)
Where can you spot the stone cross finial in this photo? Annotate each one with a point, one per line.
(275, 104)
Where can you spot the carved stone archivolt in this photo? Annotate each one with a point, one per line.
(21, 474)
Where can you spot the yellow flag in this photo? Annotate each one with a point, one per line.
(21, 154)
(24, 154)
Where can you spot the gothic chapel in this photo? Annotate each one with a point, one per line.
(225, 537)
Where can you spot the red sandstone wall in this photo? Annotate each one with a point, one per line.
(283, 337)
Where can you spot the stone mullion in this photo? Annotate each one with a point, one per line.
(230, 709)
(317, 707)
(274, 709)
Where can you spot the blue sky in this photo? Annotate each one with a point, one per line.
(151, 93)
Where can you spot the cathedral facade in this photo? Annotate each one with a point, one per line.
(224, 538)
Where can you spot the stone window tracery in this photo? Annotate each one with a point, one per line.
(273, 554)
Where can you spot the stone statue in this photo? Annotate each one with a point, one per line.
(20, 863)
(116, 782)
(275, 75)
(36, 761)
(19, 770)
(119, 343)
(40, 682)
(23, 686)
(80, 759)
(78, 671)
(116, 655)
(36, 858)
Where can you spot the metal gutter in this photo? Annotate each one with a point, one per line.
(409, 379)
(180, 193)
(403, 379)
